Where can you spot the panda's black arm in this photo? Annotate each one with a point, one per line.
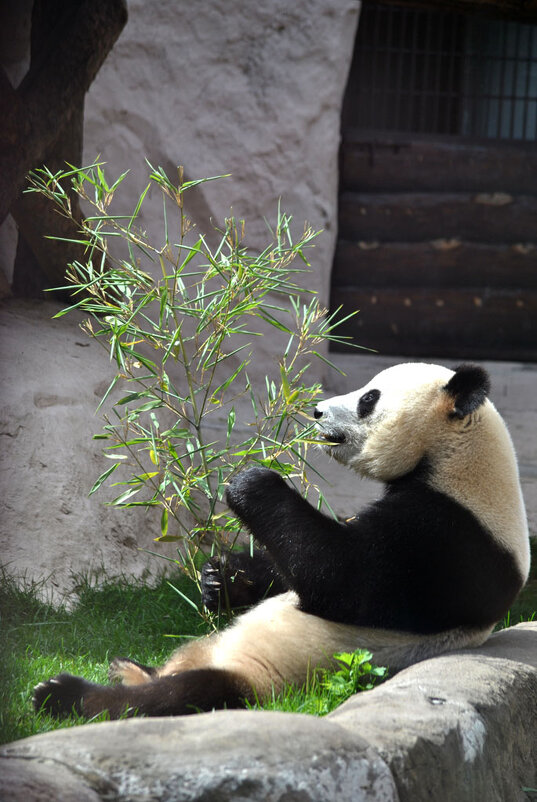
(305, 544)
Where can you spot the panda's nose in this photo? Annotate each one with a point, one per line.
(317, 413)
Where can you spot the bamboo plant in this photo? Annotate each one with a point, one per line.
(180, 319)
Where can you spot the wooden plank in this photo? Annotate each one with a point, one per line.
(440, 263)
(397, 162)
(519, 10)
(414, 217)
(470, 322)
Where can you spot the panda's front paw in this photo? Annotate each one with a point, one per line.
(252, 490)
(61, 695)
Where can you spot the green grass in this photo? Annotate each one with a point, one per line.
(524, 609)
(119, 618)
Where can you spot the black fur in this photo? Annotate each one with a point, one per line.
(367, 403)
(61, 695)
(468, 387)
(415, 561)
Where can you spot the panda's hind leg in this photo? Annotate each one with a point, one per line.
(201, 689)
(195, 654)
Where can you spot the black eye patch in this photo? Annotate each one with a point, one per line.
(367, 402)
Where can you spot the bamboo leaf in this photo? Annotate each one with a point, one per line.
(184, 597)
(120, 500)
(132, 397)
(164, 522)
(154, 404)
(102, 478)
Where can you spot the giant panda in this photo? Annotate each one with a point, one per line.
(429, 567)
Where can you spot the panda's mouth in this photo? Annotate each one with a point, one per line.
(332, 438)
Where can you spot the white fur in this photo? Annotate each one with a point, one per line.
(276, 643)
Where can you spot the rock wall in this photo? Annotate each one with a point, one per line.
(251, 89)
(459, 728)
(53, 377)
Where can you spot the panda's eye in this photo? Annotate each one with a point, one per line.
(367, 402)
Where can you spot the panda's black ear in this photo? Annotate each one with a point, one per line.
(468, 388)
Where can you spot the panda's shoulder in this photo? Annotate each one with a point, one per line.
(412, 510)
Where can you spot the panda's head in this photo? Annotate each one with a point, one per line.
(406, 414)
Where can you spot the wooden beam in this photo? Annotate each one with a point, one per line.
(438, 263)
(415, 217)
(502, 324)
(396, 162)
(511, 9)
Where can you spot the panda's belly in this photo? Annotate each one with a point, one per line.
(277, 643)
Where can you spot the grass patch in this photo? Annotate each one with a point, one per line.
(116, 618)
(525, 606)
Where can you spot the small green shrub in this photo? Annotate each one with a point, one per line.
(327, 689)
(180, 319)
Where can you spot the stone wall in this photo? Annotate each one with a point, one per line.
(251, 89)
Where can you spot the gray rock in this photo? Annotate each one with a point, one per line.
(462, 727)
(44, 780)
(251, 89)
(230, 756)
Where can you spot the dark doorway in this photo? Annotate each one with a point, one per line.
(438, 192)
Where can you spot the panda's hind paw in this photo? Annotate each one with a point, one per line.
(60, 696)
(129, 672)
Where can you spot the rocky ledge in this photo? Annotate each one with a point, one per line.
(458, 728)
